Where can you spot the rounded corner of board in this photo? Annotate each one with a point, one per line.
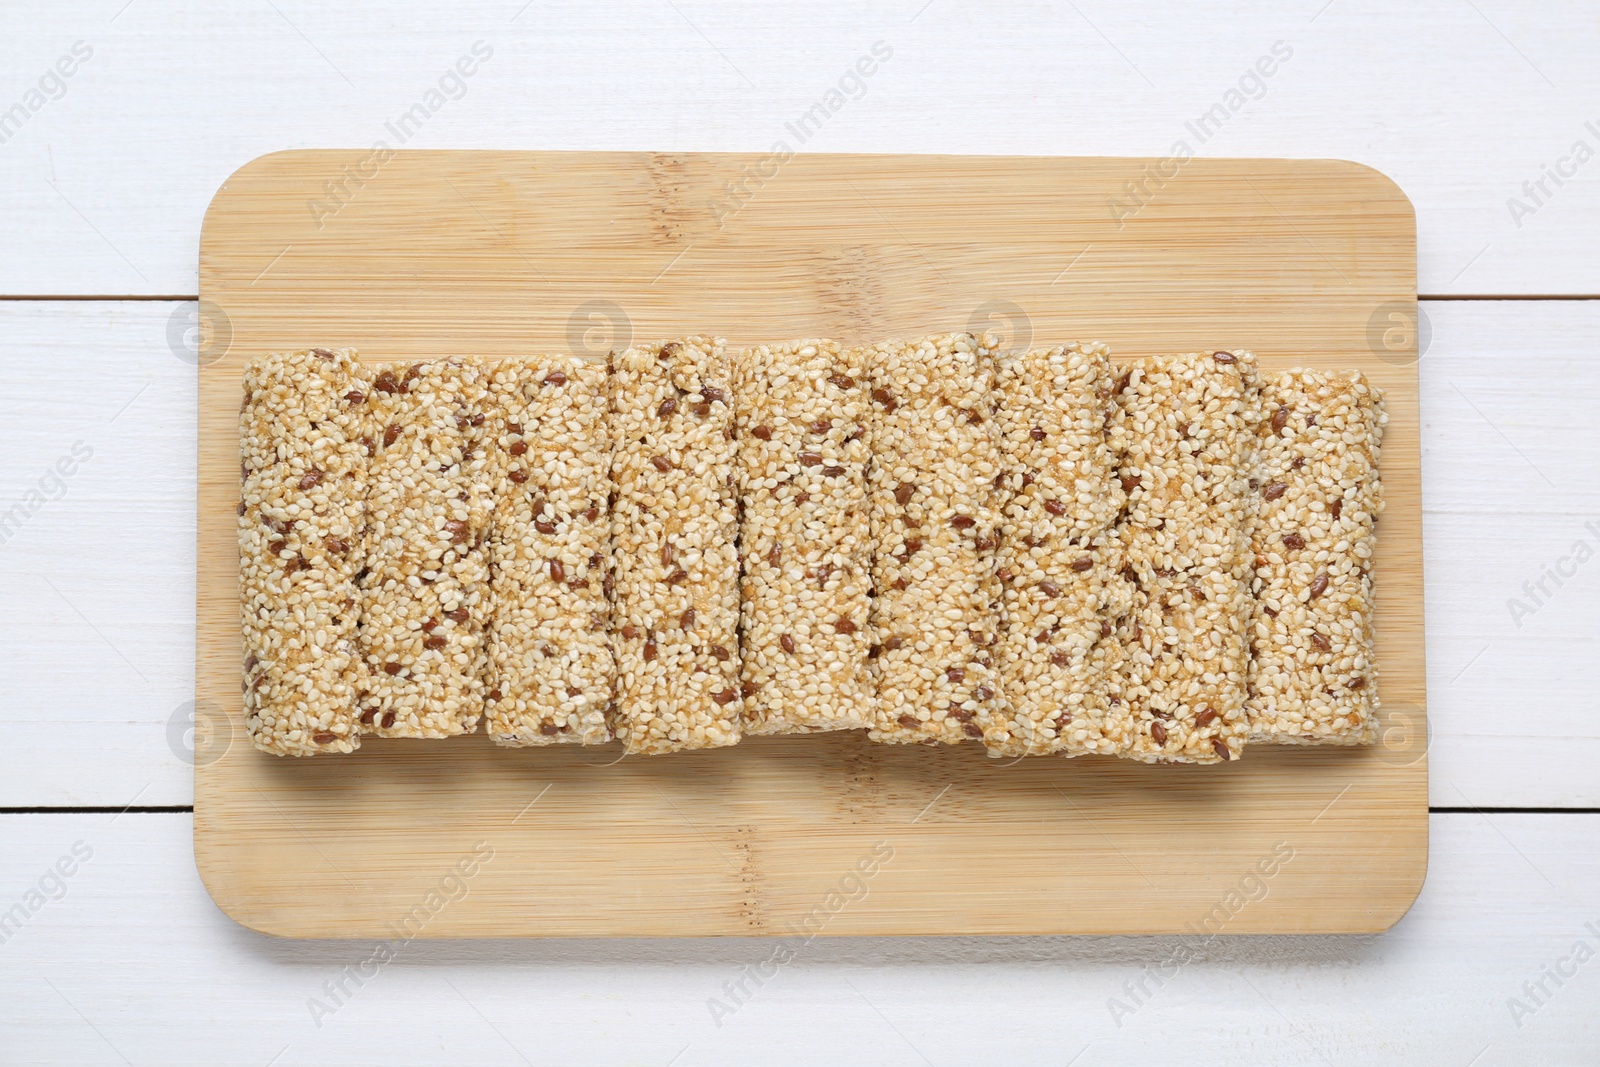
(219, 199)
(1385, 187)
(1406, 896)
(233, 910)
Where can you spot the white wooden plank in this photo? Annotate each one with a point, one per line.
(133, 963)
(1459, 103)
(1508, 392)
(97, 569)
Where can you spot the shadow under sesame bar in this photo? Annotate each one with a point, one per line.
(300, 521)
(549, 672)
(935, 524)
(1183, 430)
(675, 535)
(1058, 569)
(804, 540)
(1317, 495)
(425, 588)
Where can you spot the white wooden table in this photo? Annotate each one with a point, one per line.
(1475, 107)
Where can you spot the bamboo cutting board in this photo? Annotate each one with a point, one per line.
(486, 254)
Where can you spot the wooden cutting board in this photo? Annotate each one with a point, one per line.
(486, 254)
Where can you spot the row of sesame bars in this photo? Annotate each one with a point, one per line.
(425, 585)
(1183, 429)
(934, 492)
(675, 532)
(1006, 605)
(300, 524)
(1058, 568)
(1316, 505)
(802, 409)
(550, 669)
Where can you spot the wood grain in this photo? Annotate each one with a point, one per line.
(486, 254)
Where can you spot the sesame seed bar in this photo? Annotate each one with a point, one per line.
(425, 590)
(803, 539)
(1313, 676)
(1059, 654)
(675, 532)
(1184, 431)
(1057, 567)
(935, 522)
(300, 519)
(549, 671)
(1053, 408)
(1186, 658)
